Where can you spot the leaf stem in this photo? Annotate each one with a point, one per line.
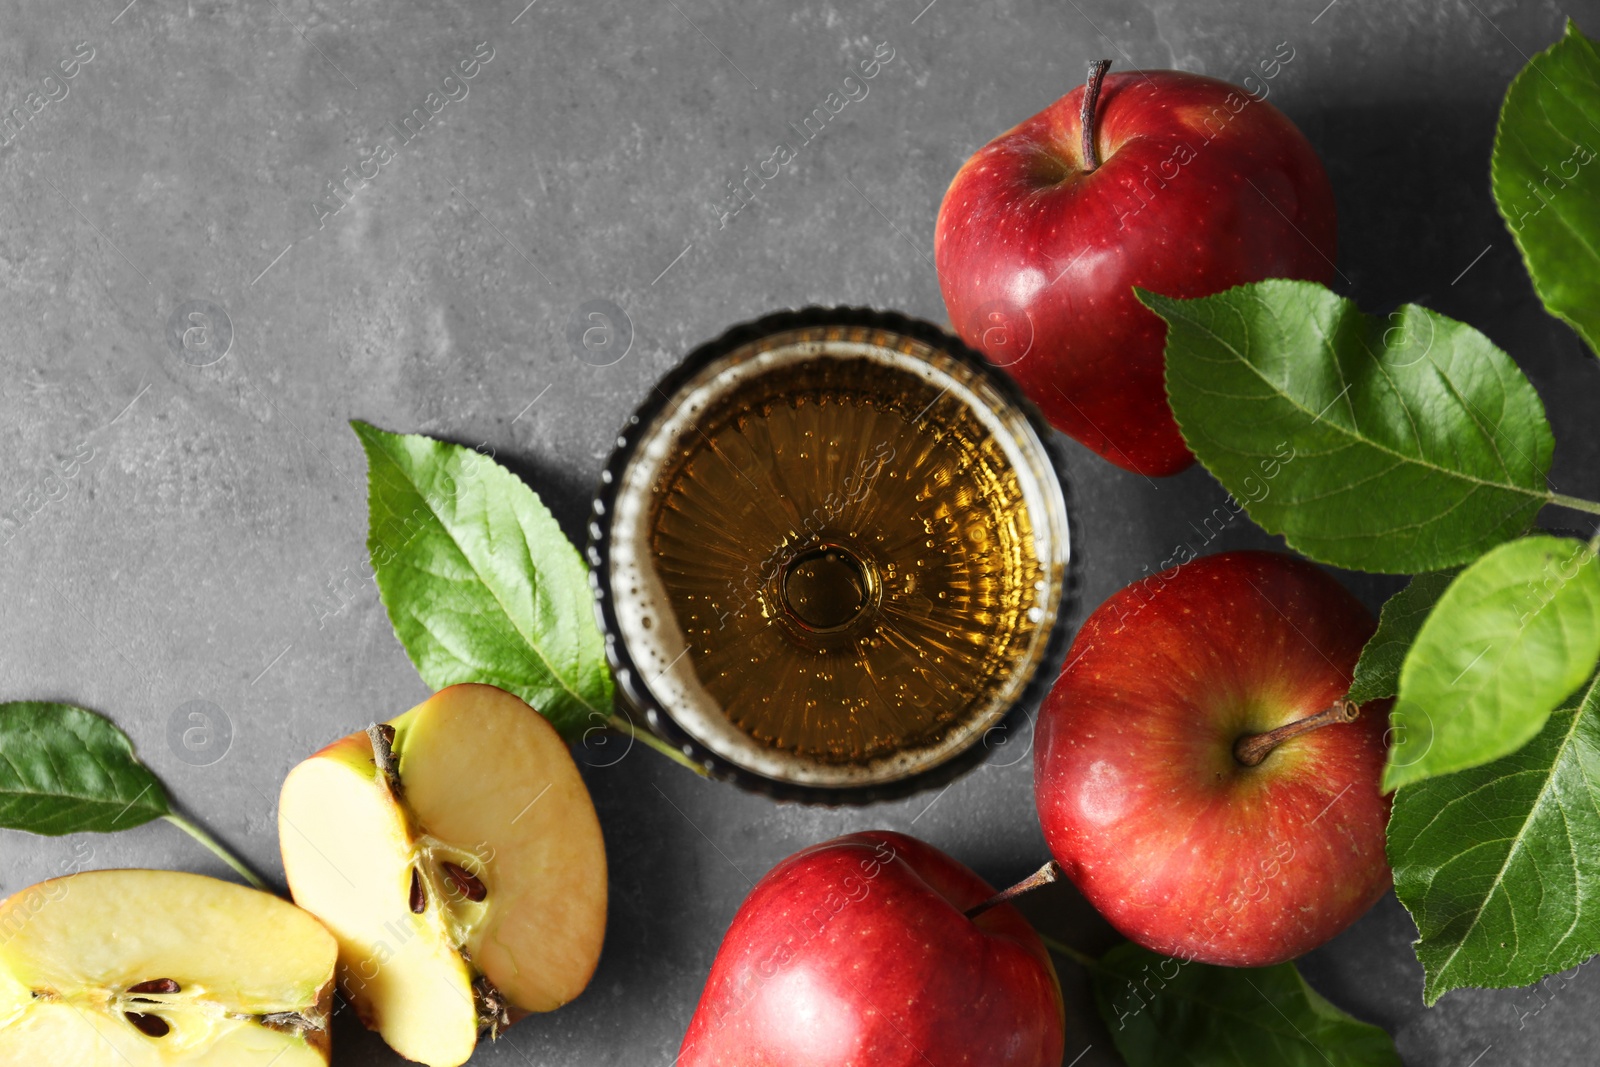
(1078, 956)
(1576, 503)
(216, 847)
(623, 726)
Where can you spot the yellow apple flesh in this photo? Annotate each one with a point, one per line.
(128, 968)
(465, 888)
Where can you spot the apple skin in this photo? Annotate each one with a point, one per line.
(856, 952)
(1182, 848)
(1201, 187)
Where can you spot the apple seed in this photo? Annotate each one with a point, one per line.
(465, 881)
(148, 1025)
(419, 896)
(156, 985)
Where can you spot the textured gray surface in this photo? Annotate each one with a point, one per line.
(211, 548)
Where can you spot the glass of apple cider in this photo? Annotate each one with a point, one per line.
(831, 554)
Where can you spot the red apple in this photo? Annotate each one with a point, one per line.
(1199, 187)
(1141, 775)
(857, 953)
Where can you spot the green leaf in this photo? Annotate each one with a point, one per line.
(1546, 179)
(1500, 865)
(1400, 444)
(1163, 1011)
(65, 770)
(480, 583)
(1377, 673)
(1509, 640)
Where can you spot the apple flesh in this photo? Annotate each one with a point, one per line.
(1144, 800)
(857, 951)
(464, 878)
(129, 968)
(1199, 187)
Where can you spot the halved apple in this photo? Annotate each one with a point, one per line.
(455, 855)
(146, 968)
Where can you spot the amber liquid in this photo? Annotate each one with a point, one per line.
(848, 554)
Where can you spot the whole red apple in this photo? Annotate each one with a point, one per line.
(857, 953)
(1143, 775)
(1195, 187)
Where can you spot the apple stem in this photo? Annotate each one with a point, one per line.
(382, 737)
(1043, 876)
(216, 847)
(1086, 118)
(1251, 749)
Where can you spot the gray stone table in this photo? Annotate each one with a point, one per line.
(209, 547)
